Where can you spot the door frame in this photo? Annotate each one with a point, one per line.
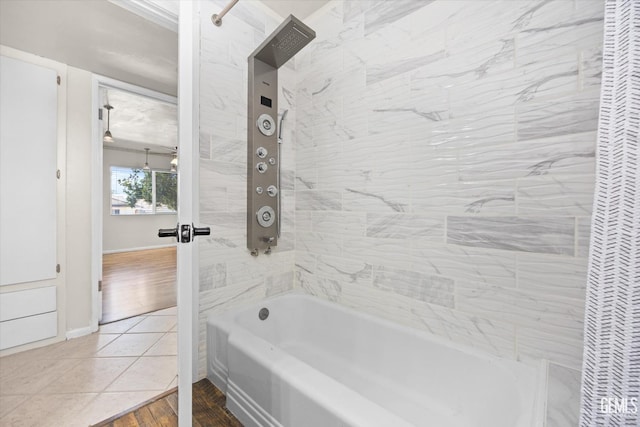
(97, 83)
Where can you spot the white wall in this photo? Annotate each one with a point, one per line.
(78, 178)
(131, 232)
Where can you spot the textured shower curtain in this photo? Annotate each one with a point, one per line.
(611, 367)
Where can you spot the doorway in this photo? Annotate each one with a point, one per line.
(139, 170)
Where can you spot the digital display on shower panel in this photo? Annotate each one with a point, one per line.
(265, 101)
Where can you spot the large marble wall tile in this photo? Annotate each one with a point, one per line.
(341, 223)
(555, 195)
(392, 253)
(417, 286)
(379, 72)
(486, 198)
(591, 68)
(376, 200)
(553, 235)
(550, 313)
(476, 130)
(459, 262)
(561, 116)
(584, 236)
(319, 243)
(563, 404)
(538, 344)
(559, 40)
(382, 13)
(313, 200)
(344, 269)
(507, 88)
(553, 275)
(405, 226)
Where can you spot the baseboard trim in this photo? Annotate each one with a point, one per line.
(143, 248)
(77, 333)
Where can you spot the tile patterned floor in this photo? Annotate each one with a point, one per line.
(85, 380)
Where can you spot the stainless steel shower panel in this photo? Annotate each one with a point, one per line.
(263, 160)
(262, 150)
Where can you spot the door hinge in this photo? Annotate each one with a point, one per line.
(58, 174)
(99, 285)
(57, 268)
(99, 113)
(58, 80)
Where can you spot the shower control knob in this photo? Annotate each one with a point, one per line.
(266, 125)
(266, 216)
(272, 161)
(272, 191)
(259, 190)
(262, 167)
(262, 152)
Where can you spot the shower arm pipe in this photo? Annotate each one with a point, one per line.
(216, 18)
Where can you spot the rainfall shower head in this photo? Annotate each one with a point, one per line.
(287, 40)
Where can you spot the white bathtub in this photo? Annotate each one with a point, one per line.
(314, 363)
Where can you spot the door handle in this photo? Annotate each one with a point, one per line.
(169, 232)
(201, 231)
(186, 233)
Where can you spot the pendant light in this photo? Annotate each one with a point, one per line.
(174, 163)
(107, 134)
(146, 162)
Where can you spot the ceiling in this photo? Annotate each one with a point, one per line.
(138, 122)
(300, 8)
(98, 36)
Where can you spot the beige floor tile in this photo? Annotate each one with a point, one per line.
(173, 384)
(49, 410)
(147, 373)
(154, 324)
(121, 326)
(11, 364)
(129, 345)
(107, 405)
(166, 346)
(171, 311)
(8, 403)
(34, 375)
(83, 347)
(90, 375)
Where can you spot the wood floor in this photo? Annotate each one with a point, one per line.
(208, 410)
(139, 282)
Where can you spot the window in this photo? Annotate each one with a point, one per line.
(138, 192)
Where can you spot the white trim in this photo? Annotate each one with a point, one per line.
(108, 82)
(99, 81)
(141, 248)
(80, 332)
(151, 11)
(188, 42)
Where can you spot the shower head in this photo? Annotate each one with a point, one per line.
(284, 114)
(287, 40)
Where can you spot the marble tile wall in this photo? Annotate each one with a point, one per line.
(228, 274)
(445, 161)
